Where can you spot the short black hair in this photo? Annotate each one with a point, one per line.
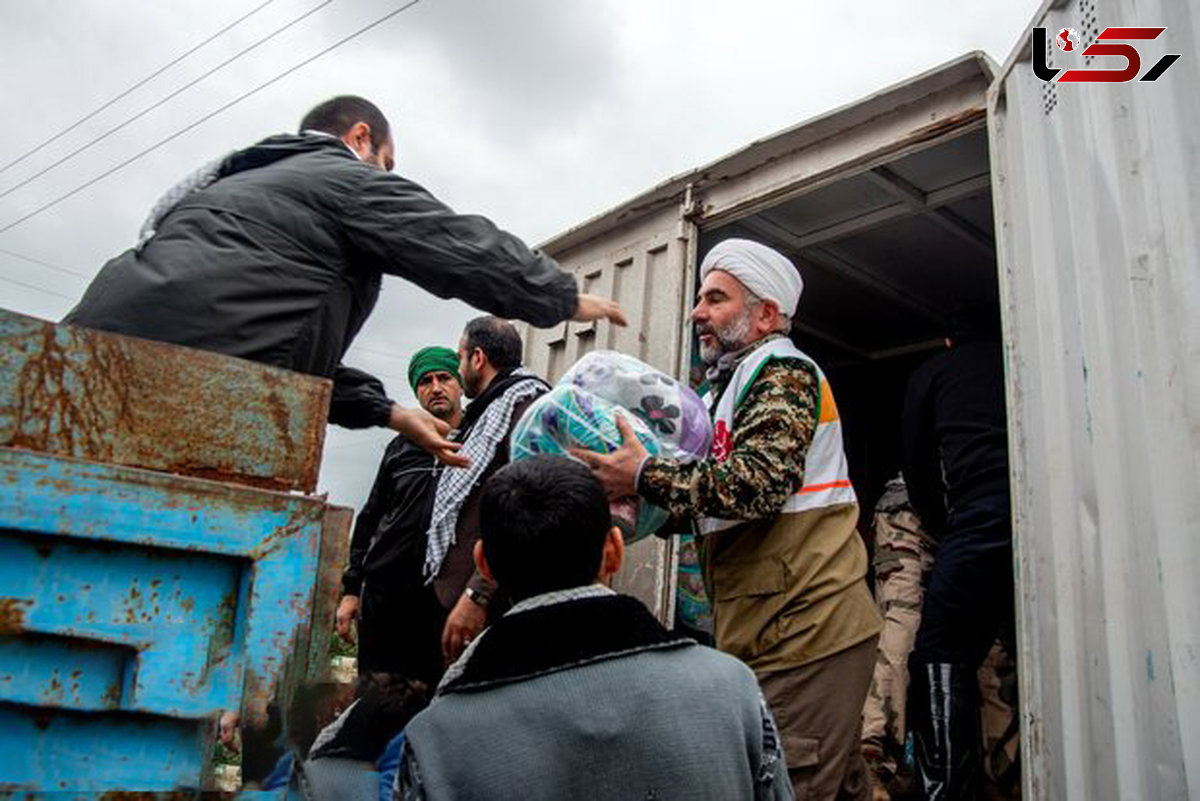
(543, 522)
(498, 339)
(339, 114)
(974, 323)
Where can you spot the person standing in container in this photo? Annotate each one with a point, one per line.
(956, 469)
(783, 564)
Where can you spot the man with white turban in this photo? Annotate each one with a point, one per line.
(775, 514)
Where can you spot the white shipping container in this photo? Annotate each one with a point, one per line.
(895, 209)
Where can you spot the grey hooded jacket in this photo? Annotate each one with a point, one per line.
(281, 258)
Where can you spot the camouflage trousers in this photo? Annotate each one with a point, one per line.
(904, 555)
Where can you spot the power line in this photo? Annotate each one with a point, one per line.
(41, 263)
(136, 86)
(209, 116)
(87, 145)
(376, 351)
(35, 287)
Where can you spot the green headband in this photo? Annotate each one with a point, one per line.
(432, 358)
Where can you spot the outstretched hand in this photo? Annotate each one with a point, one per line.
(617, 471)
(594, 307)
(427, 432)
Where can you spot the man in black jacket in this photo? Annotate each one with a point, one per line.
(399, 617)
(501, 390)
(276, 254)
(956, 469)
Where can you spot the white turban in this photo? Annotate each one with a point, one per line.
(765, 272)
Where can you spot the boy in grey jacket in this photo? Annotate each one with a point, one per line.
(578, 692)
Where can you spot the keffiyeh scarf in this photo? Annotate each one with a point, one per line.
(480, 446)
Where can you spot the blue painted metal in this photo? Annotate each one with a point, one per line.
(135, 606)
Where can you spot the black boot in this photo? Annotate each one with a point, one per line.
(943, 714)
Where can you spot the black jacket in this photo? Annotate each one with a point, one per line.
(388, 543)
(280, 261)
(955, 431)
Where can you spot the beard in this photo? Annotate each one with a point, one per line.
(471, 383)
(730, 338)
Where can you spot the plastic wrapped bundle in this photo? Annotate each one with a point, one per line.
(581, 412)
(676, 415)
(571, 417)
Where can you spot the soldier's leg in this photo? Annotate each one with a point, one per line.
(903, 556)
(1001, 726)
(969, 597)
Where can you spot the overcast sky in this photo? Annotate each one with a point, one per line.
(536, 113)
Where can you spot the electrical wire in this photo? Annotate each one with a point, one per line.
(96, 140)
(42, 263)
(391, 354)
(136, 86)
(206, 117)
(14, 281)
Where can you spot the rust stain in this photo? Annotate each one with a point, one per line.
(12, 615)
(108, 398)
(111, 699)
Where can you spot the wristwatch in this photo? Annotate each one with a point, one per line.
(478, 598)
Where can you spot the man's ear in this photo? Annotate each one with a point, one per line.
(768, 315)
(481, 562)
(478, 360)
(358, 139)
(613, 555)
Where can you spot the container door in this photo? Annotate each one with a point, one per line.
(648, 266)
(1097, 197)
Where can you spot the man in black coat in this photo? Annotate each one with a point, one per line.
(276, 254)
(400, 619)
(956, 469)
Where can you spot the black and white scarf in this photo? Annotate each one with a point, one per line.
(455, 484)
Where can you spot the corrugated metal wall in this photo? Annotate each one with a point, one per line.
(645, 267)
(1096, 188)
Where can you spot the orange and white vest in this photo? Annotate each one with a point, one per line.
(826, 475)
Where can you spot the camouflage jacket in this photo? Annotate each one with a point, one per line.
(772, 429)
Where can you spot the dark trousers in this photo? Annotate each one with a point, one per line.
(969, 601)
(400, 631)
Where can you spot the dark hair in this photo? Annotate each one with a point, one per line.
(498, 339)
(543, 522)
(338, 115)
(388, 701)
(974, 323)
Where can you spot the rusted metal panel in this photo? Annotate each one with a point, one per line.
(335, 553)
(107, 398)
(135, 606)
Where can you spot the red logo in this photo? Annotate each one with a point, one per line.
(1067, 40)
(722, 442)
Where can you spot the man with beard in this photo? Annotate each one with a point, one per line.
(500, 391)
(400, 619)
(782, 561)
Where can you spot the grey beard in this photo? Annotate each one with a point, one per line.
(729, 339)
